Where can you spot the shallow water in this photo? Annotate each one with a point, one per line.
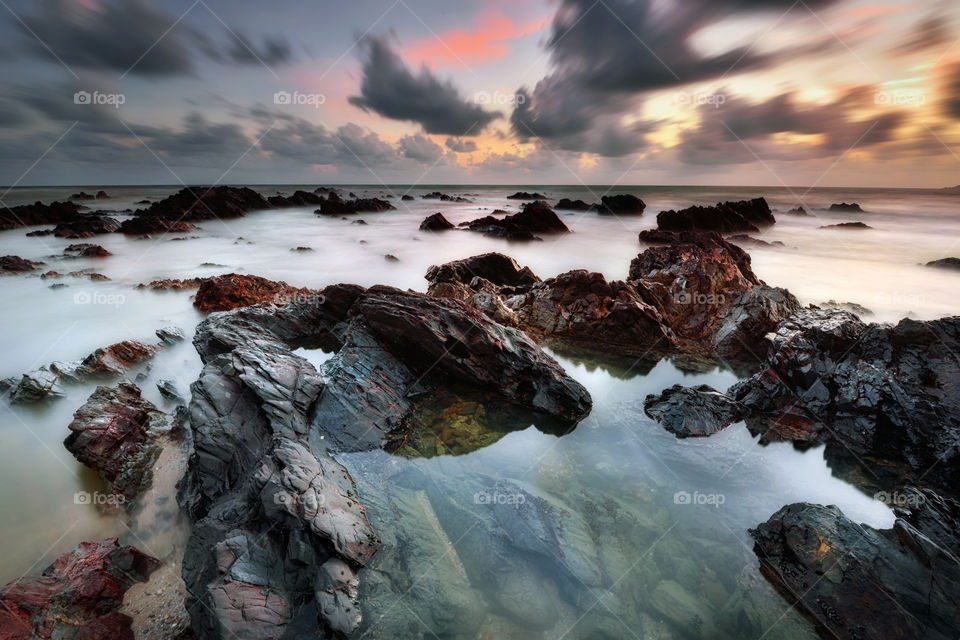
(616, 461)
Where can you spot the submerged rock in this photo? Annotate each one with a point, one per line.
(16, 264)
(78, 596)
(535, 217)
(193, 204)
(693, 412)
(436, 195)
(573, 205)
(853, 226)
(38, 213)
(525, 195)
(115, 433)
(335, 206)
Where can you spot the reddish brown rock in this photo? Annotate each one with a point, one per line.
(232, 291)
(115, 360)
(115, 433)
(16, 264)
(76, 597)
(145, 225)
(38, 213)
(86, 226)
(176, 284)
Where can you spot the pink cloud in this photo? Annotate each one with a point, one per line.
(488, 41)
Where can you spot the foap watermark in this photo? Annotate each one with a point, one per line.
(299, 99)
(499, 98)
(913, 99)
(697, 498)
(98, 498)
(299, 297)
(99, 298)
(715, 100)
(496, 497)
(709, 299)
(900, 499)
(115, 100)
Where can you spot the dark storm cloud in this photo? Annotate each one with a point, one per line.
(420, 148)
(460, 145)
(607, 56)
(112, 38)
(274, 52)
(737, 129)
(12, 114)
(302, 141)
(393, 91)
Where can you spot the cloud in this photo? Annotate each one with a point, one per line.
(739, 131)
(933, 31)
(109, 35)
(420, 148)
(275, 51)
(460, 145)
(392, 90)
(607, 57)
(952, 102)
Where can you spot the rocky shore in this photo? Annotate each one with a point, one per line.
(290, 536)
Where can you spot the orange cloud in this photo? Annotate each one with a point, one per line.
(487, 42)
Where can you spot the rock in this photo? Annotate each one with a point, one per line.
(114, 360)
(170, 335)
(436, 195)
(278, 532)
(583, 307)
(524, 195)
(536, 217)
(574, 205)
(86, 226)
(852, 307)
(708, 295)
(623, 204)
(853, 226)
(146, 225)
(798, 211)
(193, 204)
(391, 258)
(656, 236)
(436, 222)
(38, 213)
(846, 208)
(78, 596)
(853, 581)
(945, 263)
(301, 249)
(298, 199)
(37, 386)
(168, 389)
(725, 217)
(16, 264)
(406, 197)
(497, 228)
(869, 392)
(232, 291)
(115, 433)
(158, 285)
(88, 251)
(756, 242)
(693, 412)
(493, 267)
(334, 206)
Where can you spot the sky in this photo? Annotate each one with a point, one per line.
(828, 93)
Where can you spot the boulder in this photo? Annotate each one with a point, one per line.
(77, 597)
(623, 204)
(725, 217)
(443, 197)
(524, 195)
(115, 360)
(693, 412)
(193, 204)
(573, 205)
(494, 267)
(335, 206)
(115, 433)
(945, 263)
(38, 213)
(436, 222)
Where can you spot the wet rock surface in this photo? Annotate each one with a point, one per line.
(76, 597)
(279, 533)
(16, 264)
(38, 213)
(436, 222)
(535, 218)
(232, 291)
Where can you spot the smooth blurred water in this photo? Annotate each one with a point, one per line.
(615, 453)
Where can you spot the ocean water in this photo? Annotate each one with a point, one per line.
(615, 457)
